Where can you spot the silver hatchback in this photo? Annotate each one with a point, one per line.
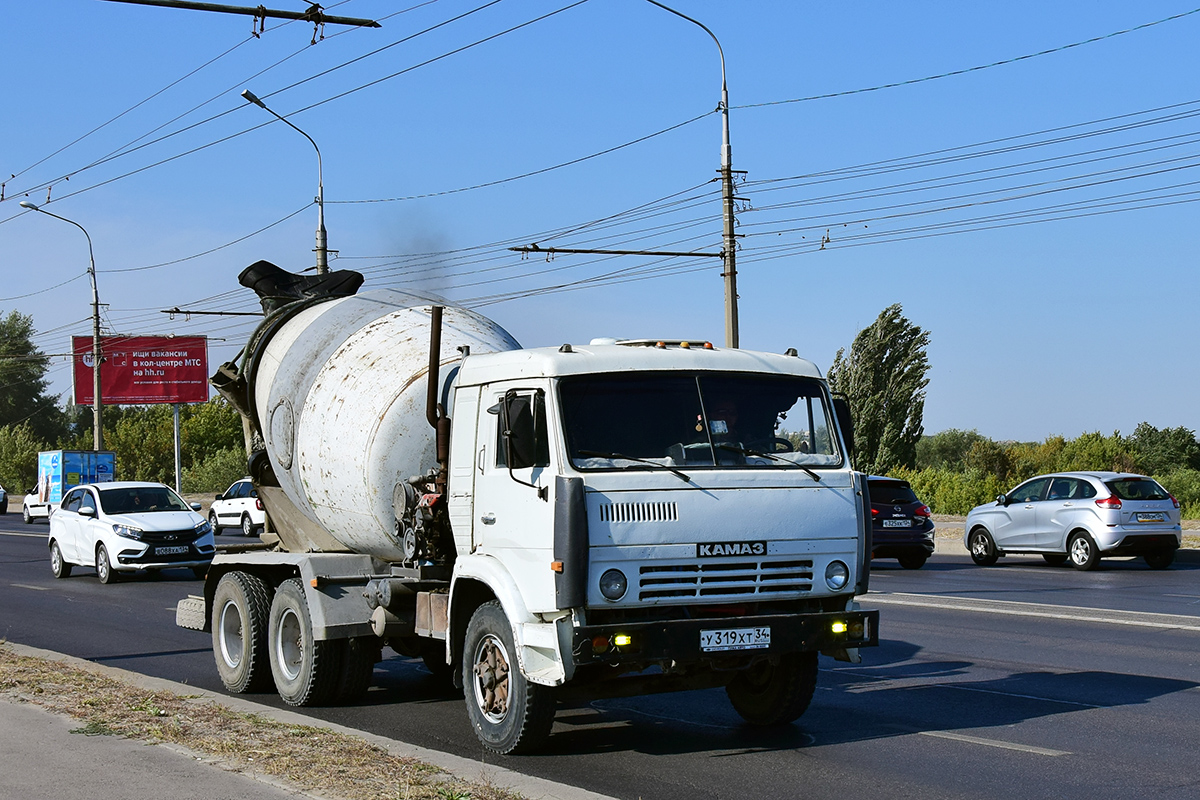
(1080, 516)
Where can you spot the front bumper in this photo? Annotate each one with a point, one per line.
(679, 640)
(148, 557)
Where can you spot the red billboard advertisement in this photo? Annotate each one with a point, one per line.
(143, 369)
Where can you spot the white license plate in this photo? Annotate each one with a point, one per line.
(735, 639)
(1156, 516)
(897, 523)
(170, 551)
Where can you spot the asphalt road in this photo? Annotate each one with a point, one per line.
(1019, 680)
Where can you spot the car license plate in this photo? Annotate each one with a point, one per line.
(897, 523)
(735, 639)
(170, 551)
(1156, 516)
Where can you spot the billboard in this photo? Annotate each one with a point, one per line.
(143, 369)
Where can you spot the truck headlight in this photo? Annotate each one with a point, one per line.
(836, 575)
(613, 584)
(127, 531)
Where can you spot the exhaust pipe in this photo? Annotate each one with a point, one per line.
(435, 413)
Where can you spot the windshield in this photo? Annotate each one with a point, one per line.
(641, 420)
(1137, 489)
(138, 499)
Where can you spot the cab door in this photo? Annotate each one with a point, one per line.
(514, 488)
(1018, 523)
(65, 525)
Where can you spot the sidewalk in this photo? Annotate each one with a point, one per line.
(43, 759)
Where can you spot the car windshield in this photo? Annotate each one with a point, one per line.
(1137, 489)
(644, 420)
(139, 499)
(891, 493)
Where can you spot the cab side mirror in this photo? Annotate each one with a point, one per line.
(87, 511)
(219, 497)
(841, 409)
(1001, 500)
(194, 506)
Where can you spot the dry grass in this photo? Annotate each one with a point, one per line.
(313, 759)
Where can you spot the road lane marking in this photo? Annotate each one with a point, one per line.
(1045, 611)
(27, 586)
(30, 535)
(881, 677)
(1024, 748)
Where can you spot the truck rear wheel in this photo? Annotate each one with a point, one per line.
(241, 609)
(775, 694)
(306, 671)
(359, 655)
(509, 714)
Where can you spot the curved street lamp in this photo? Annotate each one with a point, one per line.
(97, 402)
(322, 249)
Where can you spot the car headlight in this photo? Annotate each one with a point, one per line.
(203, 528)
(127, 531)
(613, 584)
(836, 575)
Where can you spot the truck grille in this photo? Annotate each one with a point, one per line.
(725, 580)
(638, 512)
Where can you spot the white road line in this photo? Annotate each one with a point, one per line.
(27, 586)
(1024, 748)
(1045, 611)
(30, 535)
(893, 679)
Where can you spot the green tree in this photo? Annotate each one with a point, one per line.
(884, 379)
(23, 383)
(1166, 450)
(144, 441)
(210, 428)
(19, 448)
(947, 448)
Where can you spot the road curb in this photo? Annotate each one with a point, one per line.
(463, 768)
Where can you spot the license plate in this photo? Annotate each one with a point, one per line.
(1156, 516)
(170, 551)
(735, 639)
(897, 523)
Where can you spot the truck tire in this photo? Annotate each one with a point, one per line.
(306, 671)
(775, 694)
(241, 609)
(359, 655)
(509, 714)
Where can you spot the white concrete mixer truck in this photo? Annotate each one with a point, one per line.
(540, 525)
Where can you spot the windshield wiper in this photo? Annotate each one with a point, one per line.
(746, 451)
(598, 454)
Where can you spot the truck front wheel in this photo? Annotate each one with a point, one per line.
(306, 671)
(775, 694)
(509, 714)
(241, 609)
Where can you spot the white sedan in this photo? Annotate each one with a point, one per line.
(128, 526)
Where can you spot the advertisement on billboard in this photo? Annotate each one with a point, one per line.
(143, 369)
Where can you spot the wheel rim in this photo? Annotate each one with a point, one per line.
(102, 563)
(289, 645)
(212, 520)
(1080, 551)
(979, 546)
(231, 635)
(247, 528)
(491, 684)
(55, 558)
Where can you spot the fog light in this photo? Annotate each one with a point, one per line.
(836, 575)
(613, 584)
(622, 640)
(600, 644)
(838, 627)
(858, 631)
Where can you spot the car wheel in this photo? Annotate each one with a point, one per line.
(25, 515)
(774, 694)
(509, 714)
(983, 549)
(241, 612)
(247, 525)
(1160, 560)
(306, 671)
(104, 569)
(912, 561)
(1083, 552)
(212, 521)
(1055, 559)
(58, 564)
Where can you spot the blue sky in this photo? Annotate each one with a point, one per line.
(1055, 267)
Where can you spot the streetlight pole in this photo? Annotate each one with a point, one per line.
(322, 249)
(97, 402)
(730, 241)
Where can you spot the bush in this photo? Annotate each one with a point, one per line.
(1184, 485)
(946, 491)
(215, 473)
